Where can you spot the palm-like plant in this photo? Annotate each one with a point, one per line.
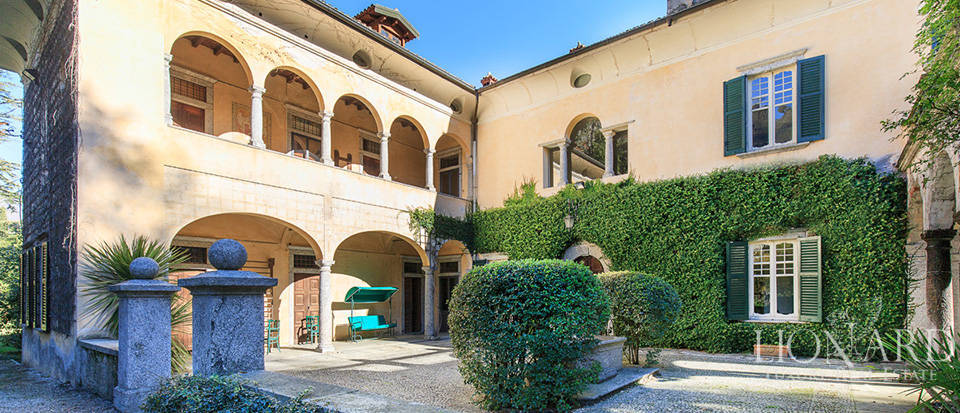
(108, 263)
(936, 366)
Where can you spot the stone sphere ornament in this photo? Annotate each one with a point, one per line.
(227, 254)
(144, 268)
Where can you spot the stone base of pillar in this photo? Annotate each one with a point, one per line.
(326, 348)
(129, 400)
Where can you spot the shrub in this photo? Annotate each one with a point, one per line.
(219, 394)
(517, 328)
(935, 367)
(642, 308)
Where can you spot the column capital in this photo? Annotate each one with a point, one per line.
(257, 91)
(384, 136)
(325, 264)
(427, 270)
(429, 151)
(608, 133)
(326, 115)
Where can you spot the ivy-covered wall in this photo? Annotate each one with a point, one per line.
(677, 228)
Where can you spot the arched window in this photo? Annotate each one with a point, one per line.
(587, 151)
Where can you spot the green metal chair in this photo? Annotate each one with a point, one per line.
(313, 327)
(272, 336)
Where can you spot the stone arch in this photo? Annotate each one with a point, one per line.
(588, 249)
(576, 119)
(377, 119)
(417, 125)
(421, 253)
(313, 244)
(225, 44)
(317, 93)
(407, 151)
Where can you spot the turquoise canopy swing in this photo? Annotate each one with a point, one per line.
(369, 295)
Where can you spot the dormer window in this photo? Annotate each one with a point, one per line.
(389, 23)
(390, 35)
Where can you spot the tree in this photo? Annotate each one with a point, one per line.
(11, 106)
(932, 123)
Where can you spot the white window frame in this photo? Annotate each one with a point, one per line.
(205, 81)
(446, 154)
(771, 108)
(774, 316)
(364, 135)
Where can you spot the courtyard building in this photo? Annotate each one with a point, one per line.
(308, 135)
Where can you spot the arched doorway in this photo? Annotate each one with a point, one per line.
(380, 259)
(356, 136)
(408, 161)
(274, 249)
(208, 76)
(292, 117)
(588, 254)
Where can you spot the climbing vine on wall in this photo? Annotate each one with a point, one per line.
(676, 229)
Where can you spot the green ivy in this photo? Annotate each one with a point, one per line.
(676, 229)
(427, 222)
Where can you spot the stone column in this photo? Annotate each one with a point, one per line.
(608, 153)
(326, 142)
(326, 307)
(167, 93)
(939, 273)
(428, 308)
(564, 165)
(256, 116)
(385, 155)
(430, 153)
(227, 313)
(144, 346)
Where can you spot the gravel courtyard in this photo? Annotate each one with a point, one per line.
(690, 381)
(23, 390)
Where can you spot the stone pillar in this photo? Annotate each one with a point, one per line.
(144, 346)
(428, 308)
(430, 153)
(167, 93)
(608, 153)
(385, 155)
(564, 165)
(227, 313)
(256, 116)
(326, 142)
(939, 273)
(326, 307)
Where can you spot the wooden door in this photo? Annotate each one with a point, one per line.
(306, 301)
(412, 305)
(446, 290)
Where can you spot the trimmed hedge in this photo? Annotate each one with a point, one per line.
(677, 229)
(518, 327)
(643, 308)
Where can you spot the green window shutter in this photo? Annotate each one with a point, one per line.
(810, 99)
(737, 300)
(811, 281)
(735, 116)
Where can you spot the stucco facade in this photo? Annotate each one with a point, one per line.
(188, 116)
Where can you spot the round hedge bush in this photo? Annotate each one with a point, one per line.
(642, 308)
(517, 328)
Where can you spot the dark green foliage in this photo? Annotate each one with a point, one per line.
(677, 229)
(108, 264)
(517, 327)
(932, 121)
(426, 222)
(219, 394)
(935, 366)
(642, 308)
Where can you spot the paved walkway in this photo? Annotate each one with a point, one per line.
(426, 372)
(23, 390)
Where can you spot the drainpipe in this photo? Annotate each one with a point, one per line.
(473, 149)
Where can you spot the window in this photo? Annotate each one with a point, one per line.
(305, 138)
(449, 267)
(449, 173)
(620, 159)
(771, 115)
(587, 151)
(304, 261)
(195, 255)
(412, 267)
(773, 280)
(190, 101)
(390, 35)
(370, 156)
(551, 167)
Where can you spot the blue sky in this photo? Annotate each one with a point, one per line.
(471, 38)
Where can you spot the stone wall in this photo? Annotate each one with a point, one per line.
(97, 365)
(50, 137)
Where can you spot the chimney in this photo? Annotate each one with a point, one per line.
(488, 80)
(676, 6)
(577, 47)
